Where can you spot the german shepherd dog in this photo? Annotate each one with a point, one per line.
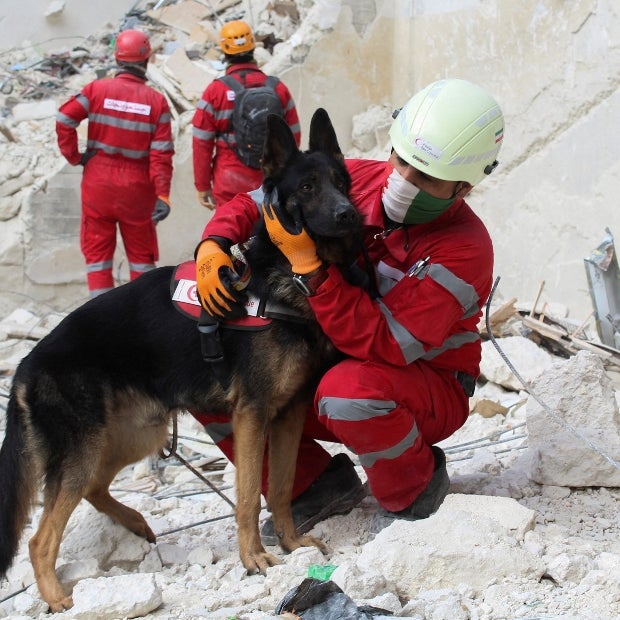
(99, 391)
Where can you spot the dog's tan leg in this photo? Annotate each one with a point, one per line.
(44, 546)
(249, 433)
(125, 444)
(284, 437)
(101, 499)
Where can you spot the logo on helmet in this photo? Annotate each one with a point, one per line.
(428, 148)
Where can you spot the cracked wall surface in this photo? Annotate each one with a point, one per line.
(554, 66)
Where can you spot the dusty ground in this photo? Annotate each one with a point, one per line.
(196, 567)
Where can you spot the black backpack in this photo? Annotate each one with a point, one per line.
(249, 117)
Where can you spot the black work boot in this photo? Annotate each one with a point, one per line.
(426, 503)
(335, 492)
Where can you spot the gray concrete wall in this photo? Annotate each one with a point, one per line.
(554, 66)
(27, 20)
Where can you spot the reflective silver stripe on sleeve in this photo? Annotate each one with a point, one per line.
(122, 123)
(453, 342)
(219, 430)
(295, 128)
(83, 101)
(203, 134)
(63, 119)
(465, 293)
(162, 145)
(410, 347)
(354, 409)
(222, 114)
(370, 458)
(165, 118)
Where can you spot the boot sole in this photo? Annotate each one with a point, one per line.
(343, 506)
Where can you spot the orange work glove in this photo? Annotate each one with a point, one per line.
(291, 239)
(215, 280)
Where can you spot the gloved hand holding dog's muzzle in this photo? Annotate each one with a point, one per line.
(215, 281)
(291, 239)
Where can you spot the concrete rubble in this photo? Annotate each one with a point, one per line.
(39, 191)
(531, 518)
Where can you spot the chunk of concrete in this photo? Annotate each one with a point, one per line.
(578, 427)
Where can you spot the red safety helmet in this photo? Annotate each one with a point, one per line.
(132, 46)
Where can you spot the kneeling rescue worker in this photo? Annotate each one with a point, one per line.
(413, 349)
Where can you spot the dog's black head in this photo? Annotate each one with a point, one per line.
(312, 186)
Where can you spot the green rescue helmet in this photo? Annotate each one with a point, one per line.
(451, 130)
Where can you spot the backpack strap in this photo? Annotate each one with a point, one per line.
(237, 87)
(233, 84)
(272, 81)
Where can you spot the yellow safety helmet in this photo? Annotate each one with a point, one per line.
(451, 130)
(236, 37)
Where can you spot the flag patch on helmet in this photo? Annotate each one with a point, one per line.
(499, 135)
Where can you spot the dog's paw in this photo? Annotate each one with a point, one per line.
(259, 562)
(61, 605)
(303, 541)
(137, 524)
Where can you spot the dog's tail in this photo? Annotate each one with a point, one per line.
(18, 482)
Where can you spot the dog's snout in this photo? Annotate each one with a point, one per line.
(346, 215)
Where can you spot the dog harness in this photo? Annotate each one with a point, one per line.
(260, 311)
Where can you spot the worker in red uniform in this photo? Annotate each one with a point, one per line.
(413, 348)
(218, 173)
(127, 162)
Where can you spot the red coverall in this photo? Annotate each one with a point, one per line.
(397, 393)
(129, 132)
(212, 130)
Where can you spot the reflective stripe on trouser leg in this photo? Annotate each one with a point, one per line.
(137, 269)
(390, 416)
(98, 242)
(312, 457)
(99, 277)
(141, 247)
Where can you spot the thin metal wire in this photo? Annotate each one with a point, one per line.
(535, 396)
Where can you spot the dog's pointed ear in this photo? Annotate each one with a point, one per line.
(279, 146)
(322, 135)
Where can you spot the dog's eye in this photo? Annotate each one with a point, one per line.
(306, 187)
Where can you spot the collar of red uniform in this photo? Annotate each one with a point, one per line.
(131, 77)
(242, 66)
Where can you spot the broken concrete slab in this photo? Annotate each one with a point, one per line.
(34, 110)
(580, 410)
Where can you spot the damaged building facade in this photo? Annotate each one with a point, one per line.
(552, 65)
